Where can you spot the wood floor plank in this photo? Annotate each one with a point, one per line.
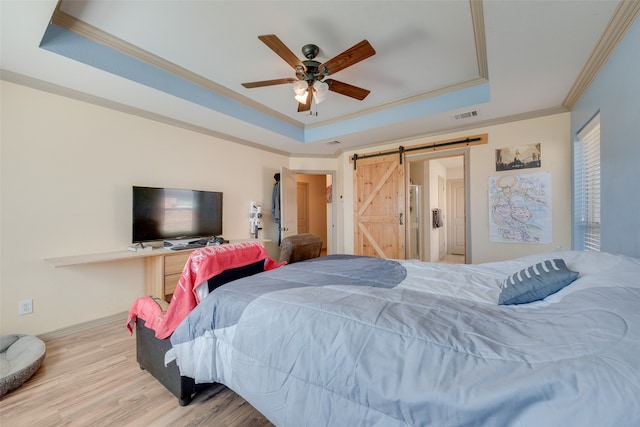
(91, 378)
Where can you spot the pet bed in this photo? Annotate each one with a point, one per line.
(20, 357)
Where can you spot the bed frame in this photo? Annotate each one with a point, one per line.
(150, 353)
(150, 350)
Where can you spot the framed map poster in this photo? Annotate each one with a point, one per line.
(520, 208)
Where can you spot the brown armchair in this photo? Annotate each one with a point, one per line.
(300, 247)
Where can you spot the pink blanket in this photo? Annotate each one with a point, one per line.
(201, 266)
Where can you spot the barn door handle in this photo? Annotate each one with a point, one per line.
(401, 218)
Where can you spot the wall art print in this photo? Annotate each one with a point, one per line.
(520, 208)
(521, 157)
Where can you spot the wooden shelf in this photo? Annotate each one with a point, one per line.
(67, 261)
(162, 267)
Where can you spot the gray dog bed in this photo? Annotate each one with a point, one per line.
(20, 357)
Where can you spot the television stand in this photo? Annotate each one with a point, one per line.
(162, 267)
(162, 272)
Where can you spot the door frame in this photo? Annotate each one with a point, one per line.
(288, 203)
(465, 153)
(451, 196)
(331, 221)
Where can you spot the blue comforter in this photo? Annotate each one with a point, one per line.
(357, 341)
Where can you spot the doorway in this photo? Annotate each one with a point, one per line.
(308, 206)
(442, 226)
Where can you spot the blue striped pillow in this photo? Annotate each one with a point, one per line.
(536, 282)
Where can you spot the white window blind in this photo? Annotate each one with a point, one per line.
(587, 185)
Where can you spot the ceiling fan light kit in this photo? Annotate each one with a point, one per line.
(309, 84)
(300, 87)
(320, 91)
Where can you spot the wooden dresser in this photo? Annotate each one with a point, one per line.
(162, 273)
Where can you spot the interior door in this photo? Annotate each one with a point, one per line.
(288, 203)
(379, 207)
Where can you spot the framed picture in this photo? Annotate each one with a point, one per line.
(521, 157)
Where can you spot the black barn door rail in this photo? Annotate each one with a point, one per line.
(433, 146)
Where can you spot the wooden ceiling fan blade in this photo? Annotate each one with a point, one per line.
(262, 83)
(276, 45)
(351, 56)
(347, 89)
(307, 105)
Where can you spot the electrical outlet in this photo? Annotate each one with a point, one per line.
(25, 307)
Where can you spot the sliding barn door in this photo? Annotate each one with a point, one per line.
(379, 207)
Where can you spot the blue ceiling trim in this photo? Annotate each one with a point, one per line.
(71, 45)
(66, 43)
(478, 94)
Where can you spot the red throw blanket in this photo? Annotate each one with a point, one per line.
(202, 265)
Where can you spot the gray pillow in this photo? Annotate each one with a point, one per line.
(536, 282)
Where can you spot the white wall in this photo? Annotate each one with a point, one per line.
(552, 132)
(67, 168)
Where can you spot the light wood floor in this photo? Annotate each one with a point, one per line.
(453, 259)
(91, 378)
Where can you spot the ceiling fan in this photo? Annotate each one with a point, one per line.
(310, 79)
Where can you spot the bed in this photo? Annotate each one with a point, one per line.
(154, 320)
(208, 268)
(355, 341)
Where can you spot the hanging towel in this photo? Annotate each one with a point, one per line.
(437, 218)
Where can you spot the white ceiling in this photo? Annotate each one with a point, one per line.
(433, 59)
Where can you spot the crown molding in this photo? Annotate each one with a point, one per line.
(477, 17)
(400, 102)
(23, 80)
(476, 126)
(77, 26)
(623, 17)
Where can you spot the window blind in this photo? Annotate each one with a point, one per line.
(587, 185)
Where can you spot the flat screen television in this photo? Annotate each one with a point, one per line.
(170, 213)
